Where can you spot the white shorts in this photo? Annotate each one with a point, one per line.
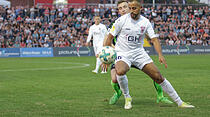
(138, 59)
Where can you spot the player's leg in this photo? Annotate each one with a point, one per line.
(98, 61)
(103, 70)
(160, 97)
(121, 69)
(158, 88)
(115, 86)
(151, 70)
(139, 63)
(99, 48)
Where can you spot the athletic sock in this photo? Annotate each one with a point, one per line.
(158, 89)
(98, 63)
(115, 86)
(123, 82)
(168, 88)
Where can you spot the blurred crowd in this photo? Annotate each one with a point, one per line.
(68, 26)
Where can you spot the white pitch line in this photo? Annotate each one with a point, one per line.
(44, 69)
(53, 62)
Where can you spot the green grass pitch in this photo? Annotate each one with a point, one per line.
(66, 87)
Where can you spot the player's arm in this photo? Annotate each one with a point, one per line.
(90, 35)
(116, 27)
(158, 49)
(106, 36)
(105, 30)
(105, 39)
(113, 46)
(156, 44)
(108, 40)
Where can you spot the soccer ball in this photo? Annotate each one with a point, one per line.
(107, 55)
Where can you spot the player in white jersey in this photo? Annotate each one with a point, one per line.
(97, 32)
(123, 9)
(131, 29)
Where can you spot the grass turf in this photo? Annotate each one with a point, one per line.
(66, 87)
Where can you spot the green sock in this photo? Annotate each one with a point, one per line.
(115, 86)
(158, 89)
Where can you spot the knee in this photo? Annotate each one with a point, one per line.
(158, 78)
(113, 76)
(121, 68)
(156, 75)
(114, 80)
(120, 72)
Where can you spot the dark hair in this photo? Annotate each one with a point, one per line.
(135, 1)
(121, 1)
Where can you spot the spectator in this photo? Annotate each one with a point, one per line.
(16, 45)
(22, 44)
(30, 26)
(67, 43)
(35, 43)
(170, 42)
(199, 41)
(10, 44)
(56, 43)
(46, 45)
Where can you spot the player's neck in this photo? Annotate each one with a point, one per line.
(136, 18)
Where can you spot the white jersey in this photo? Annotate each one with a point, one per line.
(98, 33)
(131, 33)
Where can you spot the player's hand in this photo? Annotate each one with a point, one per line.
(163, 61)
(97, 55)
(86, 44)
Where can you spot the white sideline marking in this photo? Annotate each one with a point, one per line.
(43, 69)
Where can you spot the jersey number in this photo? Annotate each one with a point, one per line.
(118, 57)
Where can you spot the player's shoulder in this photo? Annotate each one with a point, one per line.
(92, 26)
(102, 25)
(144, 18)
(112, 22)
(121, 19)
(124, 17)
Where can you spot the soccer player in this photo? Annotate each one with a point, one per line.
(123, 9)
(131, 29)
(97, 32)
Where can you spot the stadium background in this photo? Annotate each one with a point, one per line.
(40, 85)
(33, 2)
(183, 28)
